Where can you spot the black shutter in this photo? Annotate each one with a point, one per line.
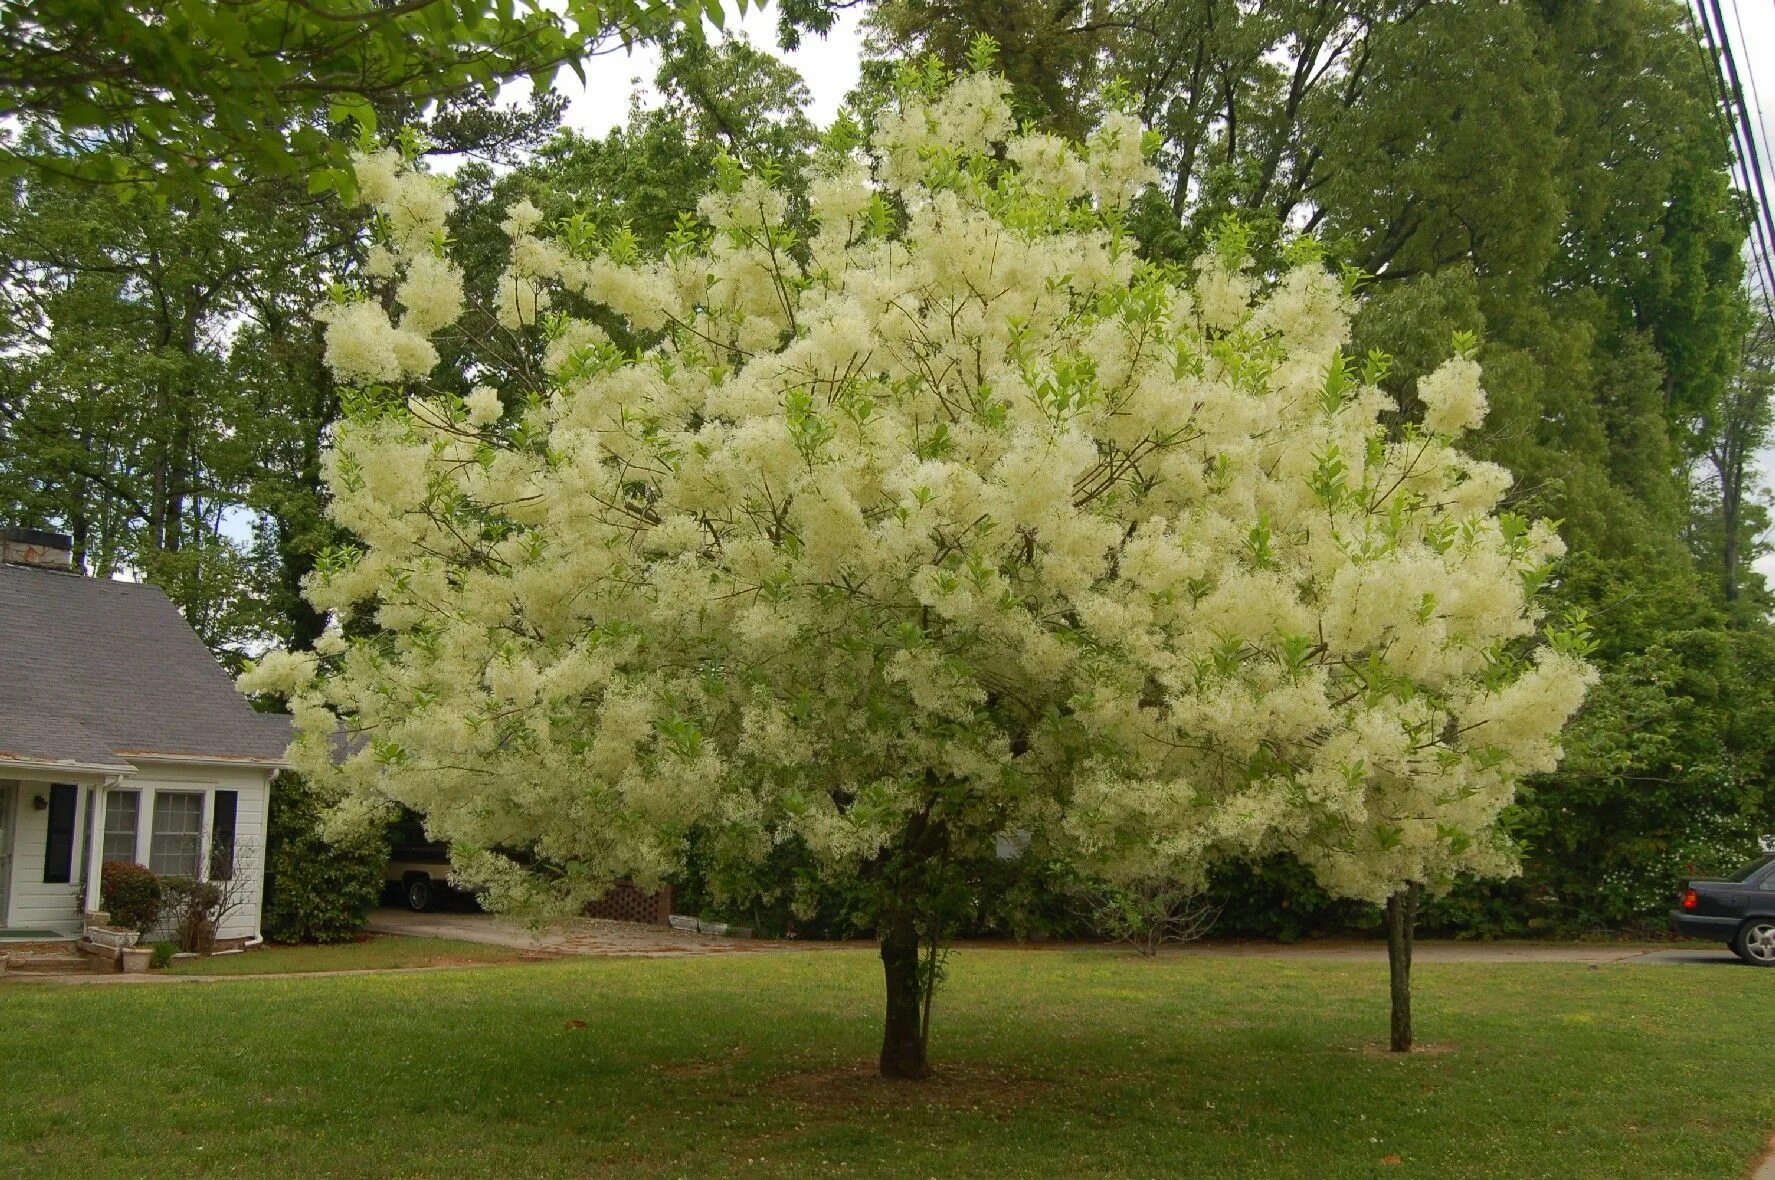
(222, 836)
(58, 851)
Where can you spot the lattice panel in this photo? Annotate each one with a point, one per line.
(626, 903)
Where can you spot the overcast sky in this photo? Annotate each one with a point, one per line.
(829, 65)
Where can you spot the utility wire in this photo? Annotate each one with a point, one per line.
(1752, 163)
(1743, 147)
(1755, 130)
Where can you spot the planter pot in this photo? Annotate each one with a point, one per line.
(135, 958)
(115, 937)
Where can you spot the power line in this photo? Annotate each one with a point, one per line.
(1752, 128)
(1747, 161)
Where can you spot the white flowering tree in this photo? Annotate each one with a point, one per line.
(946, 528)
(1433, 771)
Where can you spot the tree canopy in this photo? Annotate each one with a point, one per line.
(199, 94)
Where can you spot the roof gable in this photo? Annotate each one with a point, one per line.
(95, 672)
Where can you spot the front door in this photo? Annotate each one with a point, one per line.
(7, 791)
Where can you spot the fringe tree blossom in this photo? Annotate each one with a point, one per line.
(947, 520)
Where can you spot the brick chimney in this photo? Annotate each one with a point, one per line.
(50, 551)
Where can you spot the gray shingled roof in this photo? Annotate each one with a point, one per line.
(98, 672)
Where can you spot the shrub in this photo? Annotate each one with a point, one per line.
(316, 890)
(196, 909)
(131, 893)
(163, 954)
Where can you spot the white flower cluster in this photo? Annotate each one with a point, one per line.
(363, 345)
(972, 518)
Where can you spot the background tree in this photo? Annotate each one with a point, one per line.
(193, 95)
(166, 402)
(1731, 510)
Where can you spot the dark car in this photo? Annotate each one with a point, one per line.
(1739, 910)
(418, 865)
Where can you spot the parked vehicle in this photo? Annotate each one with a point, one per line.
(1738, 910)
(418, 866)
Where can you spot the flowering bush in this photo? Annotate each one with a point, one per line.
(949, 527)
(1638, 890)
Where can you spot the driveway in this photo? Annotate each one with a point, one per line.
(578, 936)
(594, 936)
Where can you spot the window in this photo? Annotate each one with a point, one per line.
(222, 836)
(58, 847)
(123, 811)
(178, 834)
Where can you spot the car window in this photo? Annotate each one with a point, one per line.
(1748, 872)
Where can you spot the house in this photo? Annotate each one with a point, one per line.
(121, 738)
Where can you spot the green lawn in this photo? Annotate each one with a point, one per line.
(376, 951)
(1057, 1063)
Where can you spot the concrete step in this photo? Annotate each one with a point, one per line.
(69, 963)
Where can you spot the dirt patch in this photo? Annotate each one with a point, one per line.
(1418, 1049)
(466, 961)
(954, 1087)
(702, 1067)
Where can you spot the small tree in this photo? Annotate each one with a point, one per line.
(196, 911)
(948, 520)
(1149, 912)
(1482, 696)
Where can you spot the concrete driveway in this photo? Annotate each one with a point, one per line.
(594, 936)
(579, 936)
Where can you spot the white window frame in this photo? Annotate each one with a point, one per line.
(135, 832)
(198, 867)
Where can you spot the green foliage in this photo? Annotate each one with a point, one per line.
(130, 893)
(316, 890)
(197, 95)
(163, 954)
(165, 386)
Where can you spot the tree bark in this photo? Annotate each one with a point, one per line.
(1402, 913)
(903, 1035)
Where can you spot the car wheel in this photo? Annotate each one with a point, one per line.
(419, 894)
(1755, 943)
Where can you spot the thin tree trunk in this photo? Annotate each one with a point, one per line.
(903, 1035)
(1402, 913)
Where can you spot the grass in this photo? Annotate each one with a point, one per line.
(374, 952)
(1085, 1064)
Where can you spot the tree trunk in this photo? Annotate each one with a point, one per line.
(903, 1038)
(1402, 913)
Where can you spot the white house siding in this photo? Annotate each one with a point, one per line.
(30, 903)
(58, 907)
(249, 831)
